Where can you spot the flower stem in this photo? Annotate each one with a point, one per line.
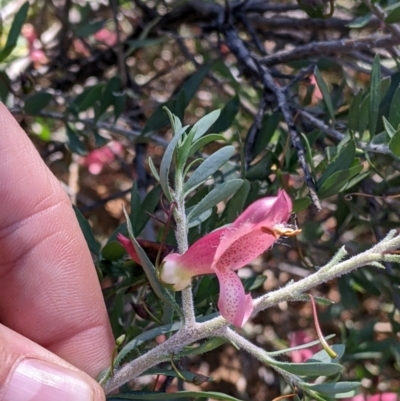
(181, 233)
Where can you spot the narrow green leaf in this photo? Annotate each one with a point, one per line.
(207, 346)
(375, 95)
(86, 29)
(310, 369)
(393, 16)
(200, 219)
(301, 204)
(136, 205)
(394, 143)
(354, 112)
(87, 98)
(197, 145)
(333, 388)
(363, 118)
(141, 338)
(36, 102)
(149, 205)
(15, 31)
(188, 376)
(91, 241)
(342, 161)
(174, 120)
(334, 184)
(150, 271)
(153, 169)
(156, 395)
(300, 347)
(113, 86)
(208, 167)
(325, 93)
(324, 357)
(236, 204)
(394, 113)
(74, 142)
(183, 151)
(390, 130)
(217, 195)
(204, 124)
(166, 162)
(227, 116)
(178, 103)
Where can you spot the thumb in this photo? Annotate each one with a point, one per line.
(29, 372)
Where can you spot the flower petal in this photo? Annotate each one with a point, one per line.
(245, 250)
(243, 241)
(234, 305)
(177, 270)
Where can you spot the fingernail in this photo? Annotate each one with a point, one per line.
(35, 380)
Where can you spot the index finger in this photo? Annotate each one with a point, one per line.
(49, 290)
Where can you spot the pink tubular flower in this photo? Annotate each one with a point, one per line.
(228, 249)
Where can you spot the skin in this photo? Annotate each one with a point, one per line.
(51, 306)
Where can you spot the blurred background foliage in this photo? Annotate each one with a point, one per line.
(310, 98)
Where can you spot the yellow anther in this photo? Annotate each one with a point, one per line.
(281, 231)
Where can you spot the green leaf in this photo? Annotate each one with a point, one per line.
(208, 167)
(204, 141)
(150, 271)
(86, 29)
(334, 184)
(91, 241)
(390, 130)
(188, 376)
(342, 161)
(36, 102)
(200, 219)
(393, 16)
(5, 85)
(206, 346)
(236, 204)
(394, 143)
(156, 395)
(183, 151)
(136, 205)
(394, 113)
(323, 356)
(112, 251)
(166, 162)
(333, 388)
(325, 93)
(204, 124)
(300, 347)
(153, 169)
(252, 283)
(363, 118)
(301, 204)
(217, 195)
(87, 98)
(15, 31)
(74, 143)
(354, 112)
(310, 369)
(176, 104)
(227, 116)
(375, 95)
(142, 43)
(107, 98)
(149, 205)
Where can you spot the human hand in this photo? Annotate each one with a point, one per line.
(54, 324)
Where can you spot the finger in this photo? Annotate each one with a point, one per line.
(28, 372)
(49, 291)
